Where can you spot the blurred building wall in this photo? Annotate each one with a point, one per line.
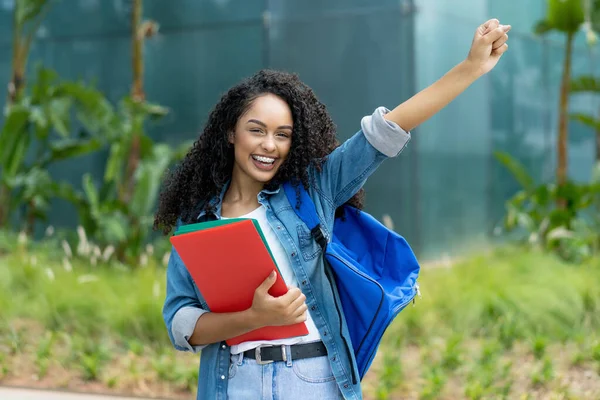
(446, 192)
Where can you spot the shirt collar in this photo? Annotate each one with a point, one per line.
(218, 200)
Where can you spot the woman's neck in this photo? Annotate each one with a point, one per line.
(241, 197)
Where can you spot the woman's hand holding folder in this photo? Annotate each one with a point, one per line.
(266, 310)
(288, 309)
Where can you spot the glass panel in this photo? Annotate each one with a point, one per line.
(342, 55)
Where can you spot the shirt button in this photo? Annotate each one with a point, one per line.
(304, 282)
(294, 254)
(325, 333)
(222, 377)
(313, 308)
(278, 226)
(333, 359)
(224, 346)
(346, 386)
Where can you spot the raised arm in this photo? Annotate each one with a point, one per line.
(488, 46)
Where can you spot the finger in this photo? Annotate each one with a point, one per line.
(300, 310)
(501, 50)
(507, 28)
(267, 283)
(298, 302)
(494, 35)
(291, 296)
(301, 318)
(500, 42)
(488, 26)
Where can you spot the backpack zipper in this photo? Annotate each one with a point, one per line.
(357, 271)
(337, 308)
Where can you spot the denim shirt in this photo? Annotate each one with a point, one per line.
(343, 174)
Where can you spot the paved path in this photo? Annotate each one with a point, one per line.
(33, 394)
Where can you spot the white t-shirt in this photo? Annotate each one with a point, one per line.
(283, 262)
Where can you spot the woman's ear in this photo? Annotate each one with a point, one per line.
(230, 136)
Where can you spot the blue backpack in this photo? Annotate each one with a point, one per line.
(374, 268)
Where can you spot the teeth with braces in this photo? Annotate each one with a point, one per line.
(264, 159)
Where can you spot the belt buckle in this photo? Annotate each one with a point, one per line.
(258, 356)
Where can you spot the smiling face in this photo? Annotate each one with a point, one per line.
(262, 139)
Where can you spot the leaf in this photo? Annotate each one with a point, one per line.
(40, 120)
(13, 132)
(59, 114)
(27, 10)
(93, 109)
(541, 196)
(115, 163)
(43, 87)
(542, 27)
(155, 111)
(35, 182)
(114, 228)
(596, 173)
(559, 233)
(587, 120)
(69, 148)
(146, 146)
(566, 16)
(92, 194)
(585, 83)
(148, 179)
(516, 168)
(182, 150)
(67, 192)
(14, 162)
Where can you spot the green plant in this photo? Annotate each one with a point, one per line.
(391, 375)
(452, 355)
(538, 347)
(37, 133)
(27, 16)
(4, 369)
(565, 16)
(106, 218)
(596, 352)
(118, 211)
(589, 83)
(435, 379)
(544, 374)
(572, 231)
(90, 357)
(43, 353)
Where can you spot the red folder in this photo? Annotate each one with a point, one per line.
(228, 260)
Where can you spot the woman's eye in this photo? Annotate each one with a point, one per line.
(255, 130)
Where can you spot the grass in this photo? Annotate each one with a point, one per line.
(510, 324)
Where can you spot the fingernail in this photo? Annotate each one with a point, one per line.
(272, 274)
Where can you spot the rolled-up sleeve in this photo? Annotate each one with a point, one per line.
(184, 323)
(386, 136)
(181, 309)
(347, 168)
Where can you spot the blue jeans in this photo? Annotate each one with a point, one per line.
(306, 379)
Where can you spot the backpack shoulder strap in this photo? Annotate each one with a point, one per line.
(306, 211)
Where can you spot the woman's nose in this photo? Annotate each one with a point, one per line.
(268, 144)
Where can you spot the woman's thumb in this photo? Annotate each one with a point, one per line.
(270, 281)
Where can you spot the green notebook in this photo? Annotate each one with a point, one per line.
(220, 222)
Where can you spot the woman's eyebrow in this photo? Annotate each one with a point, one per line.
(265, 125)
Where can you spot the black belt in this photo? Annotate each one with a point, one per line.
(268, 354)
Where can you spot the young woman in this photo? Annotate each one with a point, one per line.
(265, 131)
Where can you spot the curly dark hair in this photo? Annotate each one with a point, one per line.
(209, 163)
